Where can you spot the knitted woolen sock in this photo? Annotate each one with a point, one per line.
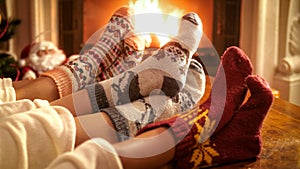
(131, 117)
(194, 88)
(239, 140)
(228, 90)
(133, 47)
(117, 49)
(166, 70)
(229, 87)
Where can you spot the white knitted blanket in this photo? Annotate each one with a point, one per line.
(35, 135)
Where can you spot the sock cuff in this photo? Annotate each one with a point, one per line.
(62, 80)
(177, 125)
(120, 123)
(97, 96)
(184, 129)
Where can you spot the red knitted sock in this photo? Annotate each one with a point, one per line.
(229, 88)
(240, 139)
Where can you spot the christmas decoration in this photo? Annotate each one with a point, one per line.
(8, 63)
(40, 57)
(8, 66)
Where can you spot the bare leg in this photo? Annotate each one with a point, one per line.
(152, 149)
(21, 83)
(42, 88)
(93, 126)
(78, 103)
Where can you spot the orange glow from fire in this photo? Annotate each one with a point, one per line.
(150, 17)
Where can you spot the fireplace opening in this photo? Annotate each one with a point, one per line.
(80, 19)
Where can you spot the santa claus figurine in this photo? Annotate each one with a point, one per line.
(40, 57)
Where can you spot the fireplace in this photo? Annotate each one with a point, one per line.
(96, 13)
(83, 18)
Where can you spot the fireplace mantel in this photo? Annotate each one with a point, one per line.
(269, 35)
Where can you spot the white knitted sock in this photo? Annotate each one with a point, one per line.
(131, 117)
(166, 70)
(194, 87)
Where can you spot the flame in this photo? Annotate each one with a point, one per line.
(155, 20)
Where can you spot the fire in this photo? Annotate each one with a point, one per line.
(153, 19)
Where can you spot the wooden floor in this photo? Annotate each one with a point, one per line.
(281, 139)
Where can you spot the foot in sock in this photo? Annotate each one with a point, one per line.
(133, 49)
(131, 117)
(229, 87)
(111, 55)
(239, 140)
(166, 70)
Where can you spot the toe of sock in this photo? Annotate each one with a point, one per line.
(124, 11)
(193, 18)
(236, 60)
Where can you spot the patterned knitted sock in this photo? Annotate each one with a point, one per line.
(131, 117)
(118, 49)
(229, 87)
(243, 130)
(133, 47)
(194, 87)
(166, 70)
(239, 140)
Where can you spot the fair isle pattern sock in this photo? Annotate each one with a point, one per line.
(239, 140)
(166, 70)
(133, 49)
(131, 117)
(87, 67)
(235, 66)
(194, 88)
